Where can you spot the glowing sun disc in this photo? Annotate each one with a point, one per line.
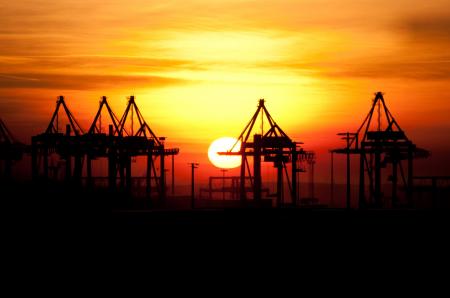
(223, 145)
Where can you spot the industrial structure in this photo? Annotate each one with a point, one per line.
(119, 146)
(432, 191)
(66, 152)
(11, 151)
(272, 145)
(380, 142)
(228, 187)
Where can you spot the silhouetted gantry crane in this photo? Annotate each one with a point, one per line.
(119, 146)
(275, 146)
(143, 142)
(102, 144)
(66, 145)
(10, 150)
(380, 142)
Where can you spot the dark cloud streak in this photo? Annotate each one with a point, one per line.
(95, 64)
(428, 70)
(84, 82)
(428, 28)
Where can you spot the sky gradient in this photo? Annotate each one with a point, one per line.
(198, 67)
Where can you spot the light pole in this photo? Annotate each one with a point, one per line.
(223, 183)
(193, 167)
(165, 177)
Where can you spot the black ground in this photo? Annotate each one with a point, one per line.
(34, 214)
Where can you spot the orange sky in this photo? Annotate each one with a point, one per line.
(198, 67)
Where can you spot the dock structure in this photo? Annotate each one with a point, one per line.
(11, 151)
(272, 145)
(119, 145)
(435, 190)
(380, 143)
(67, 146)
(228, 187)
(68, 153)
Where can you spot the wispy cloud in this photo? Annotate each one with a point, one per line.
(427, 28)
(93, 64)
(84, 82)
(417, 70)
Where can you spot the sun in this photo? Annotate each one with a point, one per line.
(223, 145)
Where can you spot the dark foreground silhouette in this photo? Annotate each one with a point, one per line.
(31, 208)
